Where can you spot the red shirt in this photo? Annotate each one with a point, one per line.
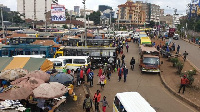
(97, 96)
(88, 71)
(184, 81)
(100, 72)
(81, 74)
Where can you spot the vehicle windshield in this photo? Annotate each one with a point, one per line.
(151, 61)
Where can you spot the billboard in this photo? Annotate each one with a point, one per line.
(58, 12)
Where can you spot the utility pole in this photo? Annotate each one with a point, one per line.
(85, 23)
(45, 16)
(2, 22)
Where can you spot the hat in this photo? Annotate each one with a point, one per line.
(184, 76)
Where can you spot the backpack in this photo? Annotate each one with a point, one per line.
(120, 71)
(87, 103)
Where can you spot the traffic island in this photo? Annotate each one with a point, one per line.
(171, 80)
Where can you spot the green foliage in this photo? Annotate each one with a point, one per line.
(190, 75)
(174, 61)
(65, 27)
(12, 17)
(179, 66)
(95, 16)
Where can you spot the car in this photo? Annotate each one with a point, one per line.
(176, 37)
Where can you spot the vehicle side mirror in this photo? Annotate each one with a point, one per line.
(161, 62)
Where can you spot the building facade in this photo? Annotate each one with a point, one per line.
(88, 12)
(77, 10)
(131, 14)
(5, 8)
(34, 9)
(104, 7)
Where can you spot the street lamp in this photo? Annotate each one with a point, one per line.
(85, 23)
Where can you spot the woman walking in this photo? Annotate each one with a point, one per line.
(102, 79)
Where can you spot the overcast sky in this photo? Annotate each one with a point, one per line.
(93, 4)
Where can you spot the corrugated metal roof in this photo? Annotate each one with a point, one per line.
(134, 102)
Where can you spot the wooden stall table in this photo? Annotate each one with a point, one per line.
(57, 105)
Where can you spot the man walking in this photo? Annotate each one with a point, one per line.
(184, 81)
(132, 62)
(91, 77)
(125, 73)
(87, 104)
(178, 48)
(127, 47)
(96, 99)
(120, 72)
(184, 55)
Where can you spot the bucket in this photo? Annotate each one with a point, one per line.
(75, 98)
(70, 91)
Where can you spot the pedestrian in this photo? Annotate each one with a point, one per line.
(72, 74)
(185, 55)
(109, 72)
(104, 104)
(158, 47)
(82, 75)
(96, 99)
(118, 63)
(125, 73)
(132, 63)
(120, 72)
(78, 77)
(178, 48)
(99, 74)
(91, 77)
(184, 82)
(87, 104)
(102, 80)
(127, 47)
(87, 73)
(105, 68)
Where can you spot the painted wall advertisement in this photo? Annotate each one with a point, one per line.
(58, 12)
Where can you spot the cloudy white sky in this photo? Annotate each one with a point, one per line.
(93, 4)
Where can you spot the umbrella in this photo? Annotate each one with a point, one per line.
(13, 74)
(16, 93)
(39, 75)
(31, 82)
(61, 78)
(50, 90)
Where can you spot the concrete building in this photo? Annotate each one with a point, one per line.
(34, 9)
(155, 12)
(104, 7)
(88, 12)
(77, 10)
(5, 8)
(131, 14)
(166, 20)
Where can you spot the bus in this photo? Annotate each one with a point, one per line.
(90, 42)
(149, 59)
(70, 62)
(131, 102)
(13, 50)
(145, 40)
(98, 55)
(28, 40)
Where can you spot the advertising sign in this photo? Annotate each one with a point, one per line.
(58, 12)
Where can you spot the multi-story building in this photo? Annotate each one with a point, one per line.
(34, 9)
(77, 10)
(167, 20)
(104, 7)
(155, 12)
(88, 12)
(5, 8)
(131, 14)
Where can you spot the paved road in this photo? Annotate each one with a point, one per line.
(148, 85)
(193, 51)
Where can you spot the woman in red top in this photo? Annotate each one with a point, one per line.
(81, 75)
(97, 98)
(99, 74)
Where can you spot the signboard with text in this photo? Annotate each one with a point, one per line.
(171, 32)
(58, 12)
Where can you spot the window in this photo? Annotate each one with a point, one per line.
(5, 53)
(57, 63)
(79, 61)
(68, 61)
(105, 53)
(151, 61)
(27, 53)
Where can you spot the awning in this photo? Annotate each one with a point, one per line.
(47, 65)
(34, 64)
(17, 62)
(4, 61)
